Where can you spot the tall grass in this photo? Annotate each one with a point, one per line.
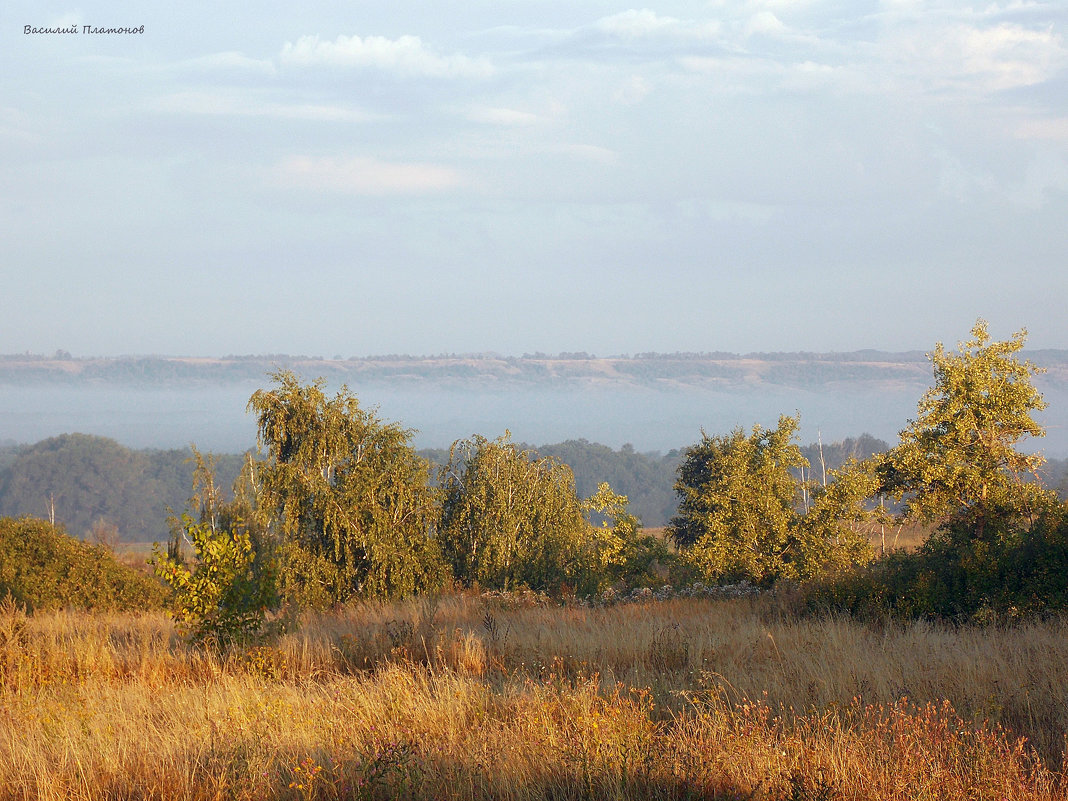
(472, 698)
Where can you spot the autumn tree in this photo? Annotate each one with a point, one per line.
(960, 457)
(738, 502)
(348, 496)
(510, 520)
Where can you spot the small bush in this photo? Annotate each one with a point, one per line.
(222, 597)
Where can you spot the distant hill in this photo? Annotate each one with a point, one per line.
(647, 369)
(95, 487)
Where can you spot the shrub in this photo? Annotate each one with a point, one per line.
(1023, 571)
(41, 567)
(221, 597)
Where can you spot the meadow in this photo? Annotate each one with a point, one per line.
(495, 696)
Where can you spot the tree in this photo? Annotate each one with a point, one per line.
(738, 503)
(959, 457)
(219, 597)
(509, 520)
(349, 497)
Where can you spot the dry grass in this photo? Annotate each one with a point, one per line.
(468, 698)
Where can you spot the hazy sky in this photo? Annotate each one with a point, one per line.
(516, 175)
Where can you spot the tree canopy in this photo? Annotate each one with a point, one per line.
(349, 496)
(960, 454)
(509, 519)
(738, 501)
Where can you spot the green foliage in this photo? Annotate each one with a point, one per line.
(1001, 546)
(835, 531)
(738, 503)
(224, 596)
(349, 497)
(646, 479)
(960, 454)
(1022, 571)
(221, 598)
(623, 554)
(508, 520)
(41, 567)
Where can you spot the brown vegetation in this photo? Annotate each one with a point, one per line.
(473, 697)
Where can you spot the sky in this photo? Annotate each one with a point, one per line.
(519, 176)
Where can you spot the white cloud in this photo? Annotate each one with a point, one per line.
(503, 116)
(406, 55)
(1009, 55)
(366, 176)
(242, 104)
(633, 24)
(764, 23)
(987, 59)
(229, 60)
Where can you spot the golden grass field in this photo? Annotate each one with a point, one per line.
(471, 697)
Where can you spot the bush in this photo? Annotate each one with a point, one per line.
(41, 567)
(222, 597)
(1022, 571)
(624, 555)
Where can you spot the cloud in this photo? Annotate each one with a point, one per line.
(592, 153)
(989, 58)
(242, 104)
(15, 124)
(634, 24)
(1046, 177)
(632, 91)
(406, 55)
(366, 176)
(503, 116)
(229, 60)
(1055, 129)
(764, 23)
(1009, 55)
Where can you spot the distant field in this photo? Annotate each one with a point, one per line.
(470, 697)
